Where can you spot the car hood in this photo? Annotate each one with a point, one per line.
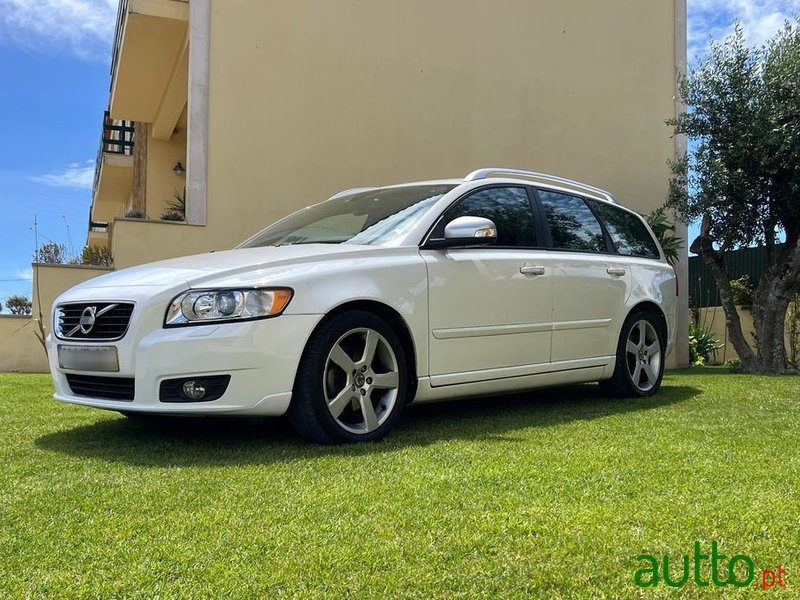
(209, 268)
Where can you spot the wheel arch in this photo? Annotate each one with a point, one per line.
(395, 320)
(648, 306)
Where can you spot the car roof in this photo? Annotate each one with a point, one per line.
(507, 175)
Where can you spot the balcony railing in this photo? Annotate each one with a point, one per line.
(122, 11)
(117, 135)
(116, 138)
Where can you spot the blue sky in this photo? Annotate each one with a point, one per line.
(54, 76)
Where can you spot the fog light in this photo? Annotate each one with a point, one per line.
(193, 390)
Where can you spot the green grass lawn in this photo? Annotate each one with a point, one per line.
(551, 494)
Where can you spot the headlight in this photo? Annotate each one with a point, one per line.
(212, 306)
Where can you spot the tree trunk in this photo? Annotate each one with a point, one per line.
(771, 302)
(769, 318)
(138, 195)
(703, 246)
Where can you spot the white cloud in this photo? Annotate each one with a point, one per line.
(26, 274)
(715, 19)
(83, 27)
(76, 175)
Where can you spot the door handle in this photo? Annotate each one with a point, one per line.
(532, 270)
(617, 271)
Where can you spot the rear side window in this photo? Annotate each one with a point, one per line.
(628, 234)
(572, 224)
(508, 207)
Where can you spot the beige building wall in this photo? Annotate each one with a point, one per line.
(50, 281)
(713, 318)
(20, 350)
(137, 241)
(310, 97)
(162, 182)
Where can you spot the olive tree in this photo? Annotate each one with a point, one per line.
(19, 305)
(741, 178)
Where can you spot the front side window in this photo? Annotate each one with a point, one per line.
(628, 234)
(380, 217)
(509, 209)
(572, 224)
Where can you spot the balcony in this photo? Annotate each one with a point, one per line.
(149, 67)
(113, 175)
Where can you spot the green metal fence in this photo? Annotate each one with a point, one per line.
(703, 290)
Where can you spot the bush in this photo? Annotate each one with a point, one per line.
(702, 345)
(134, 214)
(671, 243)
(19, 305)
(170, 215)
(742, 291)
(51, 253)
(176, 208)
(99, 256)
(734, 365)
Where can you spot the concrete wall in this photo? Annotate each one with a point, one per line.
(138, 241)
(308, 97)
(713, 318)
(20, 351)
(162, 182)
(19, 348)
(50, 281)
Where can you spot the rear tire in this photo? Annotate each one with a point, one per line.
(640, 358)
(352, 381)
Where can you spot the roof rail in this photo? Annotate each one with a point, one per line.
(543, 177)
(349, 191)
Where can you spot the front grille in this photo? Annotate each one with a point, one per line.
(104, 388)
(93, 320)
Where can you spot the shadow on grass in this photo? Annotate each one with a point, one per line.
(164, 442)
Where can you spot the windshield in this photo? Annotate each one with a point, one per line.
(379, 217)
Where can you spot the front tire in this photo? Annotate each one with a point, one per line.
(640, 358)
(352, 381)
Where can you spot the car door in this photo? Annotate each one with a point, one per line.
(490, 307)
(590, 282)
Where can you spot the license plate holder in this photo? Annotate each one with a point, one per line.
(88, 358)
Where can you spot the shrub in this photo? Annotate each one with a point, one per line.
(176, 208)
(169, 215)
(665, 234)
(134, 214)
(99, 256)
(19, 305)
(742, 291)
(734, 365)
(51, 253)
(702, 345)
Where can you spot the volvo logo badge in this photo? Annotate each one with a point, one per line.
(87, 319)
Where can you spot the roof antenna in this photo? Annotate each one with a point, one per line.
(69, 237)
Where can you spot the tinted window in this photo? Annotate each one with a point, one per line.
(507, 207)
(573, 226)
(628, 233)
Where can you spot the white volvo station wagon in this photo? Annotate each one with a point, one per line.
(344, 312)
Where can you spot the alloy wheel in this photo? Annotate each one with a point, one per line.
(643, 355)
(361, 380)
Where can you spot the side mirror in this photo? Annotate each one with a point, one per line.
(466, 231)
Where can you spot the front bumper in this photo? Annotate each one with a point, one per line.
(260, 356)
